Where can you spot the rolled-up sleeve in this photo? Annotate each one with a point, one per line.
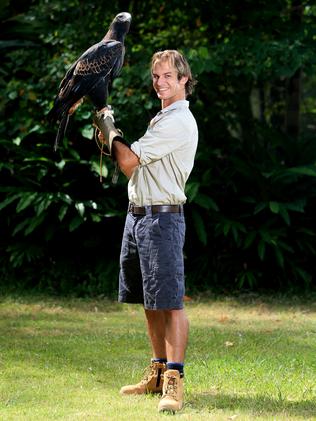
(167, 135)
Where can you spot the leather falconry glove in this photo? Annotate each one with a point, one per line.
(104, 122)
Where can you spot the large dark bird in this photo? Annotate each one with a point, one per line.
(91, 75)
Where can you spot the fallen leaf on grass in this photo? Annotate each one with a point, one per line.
(228, 344)
(223, 319)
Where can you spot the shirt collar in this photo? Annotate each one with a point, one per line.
(182, 103)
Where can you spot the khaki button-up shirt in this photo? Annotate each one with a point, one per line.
(166, 154)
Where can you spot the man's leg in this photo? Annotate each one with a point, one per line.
(131, 290)
(168, 332)
(176, 338)
(153, 379)
(177, 331)
(156, 326)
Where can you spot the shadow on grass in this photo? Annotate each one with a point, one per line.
(255, 405)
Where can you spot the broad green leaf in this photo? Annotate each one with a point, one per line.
(60, 164)
(246, 278)
(199, 227)
(21, 226)
(62, 212)
(34, 223)
(307, 231)
(65, 197)
(85, 115)
(285, 215)
(226, 228)
(307, 278)
(251, 279)
(250, 239)
(279, 256)
(261, 249)
(96, 218)
(75, 222)
(259, 207)
(43, 203)
(25, 201)
(297, 206)
(205, 202)
(9, 200)
(241, 280)
(265, 235)
(80, 208)
(191, 190)
(74, 154)
(274, 207)
(88, 131)
(310, 171)
(285, 246)
(101, 170)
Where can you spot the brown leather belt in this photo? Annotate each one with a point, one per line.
(141, 210)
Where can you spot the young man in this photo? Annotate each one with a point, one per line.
(151, 263)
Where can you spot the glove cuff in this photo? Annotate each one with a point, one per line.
(104, 122)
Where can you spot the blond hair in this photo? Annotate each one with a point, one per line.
(179, 62)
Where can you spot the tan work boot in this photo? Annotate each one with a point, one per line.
(172, 398)
(151, 382)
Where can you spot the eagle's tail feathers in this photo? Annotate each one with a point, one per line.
(61, 130)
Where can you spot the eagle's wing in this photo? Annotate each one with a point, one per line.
(91, 68)
(91, 75)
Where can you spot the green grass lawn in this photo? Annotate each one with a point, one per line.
(248, 358)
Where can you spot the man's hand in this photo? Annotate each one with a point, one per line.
(101, 137)
(104, 121)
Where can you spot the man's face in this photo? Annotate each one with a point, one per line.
(166, 83)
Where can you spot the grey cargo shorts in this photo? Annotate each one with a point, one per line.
(151, 260)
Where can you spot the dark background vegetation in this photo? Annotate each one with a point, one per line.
(251, 197)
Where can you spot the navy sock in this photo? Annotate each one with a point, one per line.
(159, 360)
(176, 366)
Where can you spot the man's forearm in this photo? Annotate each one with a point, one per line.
(127, 160)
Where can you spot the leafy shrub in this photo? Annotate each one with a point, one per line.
(250, 212)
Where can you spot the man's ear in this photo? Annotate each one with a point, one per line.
(183, 80)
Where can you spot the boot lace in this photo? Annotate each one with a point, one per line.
(171, 389)
(148, 373)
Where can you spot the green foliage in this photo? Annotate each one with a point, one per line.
(251, 196)
(258, 222)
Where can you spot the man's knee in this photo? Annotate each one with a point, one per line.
(179, 315)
